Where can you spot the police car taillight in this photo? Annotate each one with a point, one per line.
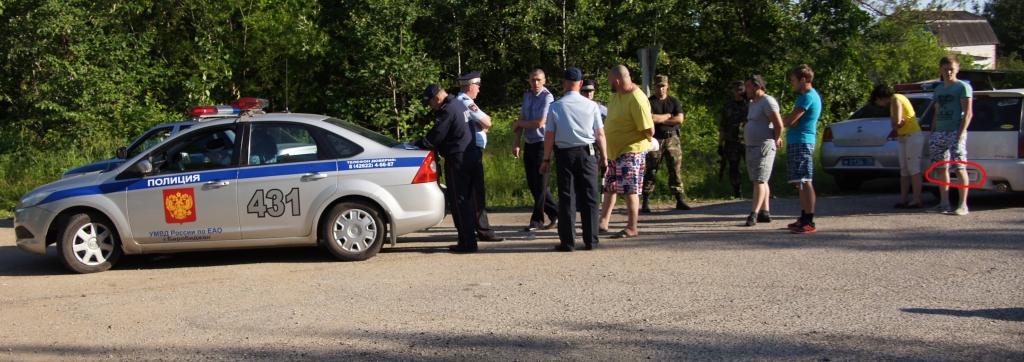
(207, 111)
(250, 103)
(827, 136)
(427, 171)
(916, 87)
(893, 136)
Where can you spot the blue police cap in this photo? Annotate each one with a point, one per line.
(589, 85)
(471, 78)
(429, 93)
(573, 74)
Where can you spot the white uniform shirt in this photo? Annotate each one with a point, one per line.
(475, 115)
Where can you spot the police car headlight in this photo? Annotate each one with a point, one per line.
(32, 200)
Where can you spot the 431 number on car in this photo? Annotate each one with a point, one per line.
(273, 203)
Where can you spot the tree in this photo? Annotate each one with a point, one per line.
(1006, 17)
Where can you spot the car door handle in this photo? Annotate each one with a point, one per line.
(216, 183)
(314, 176)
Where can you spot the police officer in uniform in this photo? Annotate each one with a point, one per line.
(730, 133)
(469, 88)
(575, 132)
(667, 113)
(453, 138)
(587, 90)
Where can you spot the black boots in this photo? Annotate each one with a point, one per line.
(736, 192)
(646, 207)
(680, 204)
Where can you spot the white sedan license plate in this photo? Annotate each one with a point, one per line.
(858, 162)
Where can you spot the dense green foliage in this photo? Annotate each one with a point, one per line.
(80, 77)
(1006, 17)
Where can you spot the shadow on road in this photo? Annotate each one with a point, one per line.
(571, 341)
(1002, 314)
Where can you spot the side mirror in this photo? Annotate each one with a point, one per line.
(144, 167)
(121, 153)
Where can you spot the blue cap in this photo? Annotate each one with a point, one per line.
(573, 74)
(429, 93)
(471, 78)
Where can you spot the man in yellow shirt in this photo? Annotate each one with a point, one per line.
(628, 129)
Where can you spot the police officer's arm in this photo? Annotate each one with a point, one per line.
(549, 145)
(539, 122)
(436, 134)
(484, 123)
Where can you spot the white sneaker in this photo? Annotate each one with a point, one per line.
(939, 209)
(960, 210)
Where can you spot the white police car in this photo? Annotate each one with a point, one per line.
(252, 180)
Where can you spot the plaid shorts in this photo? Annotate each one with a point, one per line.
(627, 176)
(943, 146)
(800, 162)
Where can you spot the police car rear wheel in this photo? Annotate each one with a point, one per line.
(87, 244)
(354, 231)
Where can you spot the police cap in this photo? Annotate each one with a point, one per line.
(429, 93)
(589, 85)
(471, 78)
(573, 74)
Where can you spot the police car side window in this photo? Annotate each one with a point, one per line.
(208, 150)
(344, 147)
(281, 143)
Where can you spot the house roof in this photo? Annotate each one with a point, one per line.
(960, 28)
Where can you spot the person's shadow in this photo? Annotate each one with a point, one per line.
(1003, 314)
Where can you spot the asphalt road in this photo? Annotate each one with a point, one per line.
(873, 284)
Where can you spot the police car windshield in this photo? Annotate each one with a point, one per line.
(376, 137)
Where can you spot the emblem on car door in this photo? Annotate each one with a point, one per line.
(859, 129)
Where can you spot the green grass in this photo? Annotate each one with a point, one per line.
(24, 171)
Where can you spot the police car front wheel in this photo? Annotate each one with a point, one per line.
(354, 231)
(88, 244)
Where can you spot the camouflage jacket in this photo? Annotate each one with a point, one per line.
(734, 118)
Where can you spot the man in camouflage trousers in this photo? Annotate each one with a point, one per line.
(667, 113)
(730, 134)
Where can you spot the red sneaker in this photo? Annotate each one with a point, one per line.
(804, 229)
(798, 223)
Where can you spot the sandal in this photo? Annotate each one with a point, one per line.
(622, 235)
(902, 205)
(913, 206)
(602, 231)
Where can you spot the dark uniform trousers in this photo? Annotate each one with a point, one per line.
(577, 181)
(462, 171)
(533, 156)
(483, 226)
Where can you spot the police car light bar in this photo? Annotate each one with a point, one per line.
(210, 111)
(250, 103)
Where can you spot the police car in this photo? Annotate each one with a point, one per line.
(242, 181)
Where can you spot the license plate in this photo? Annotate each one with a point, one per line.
(858, 162)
